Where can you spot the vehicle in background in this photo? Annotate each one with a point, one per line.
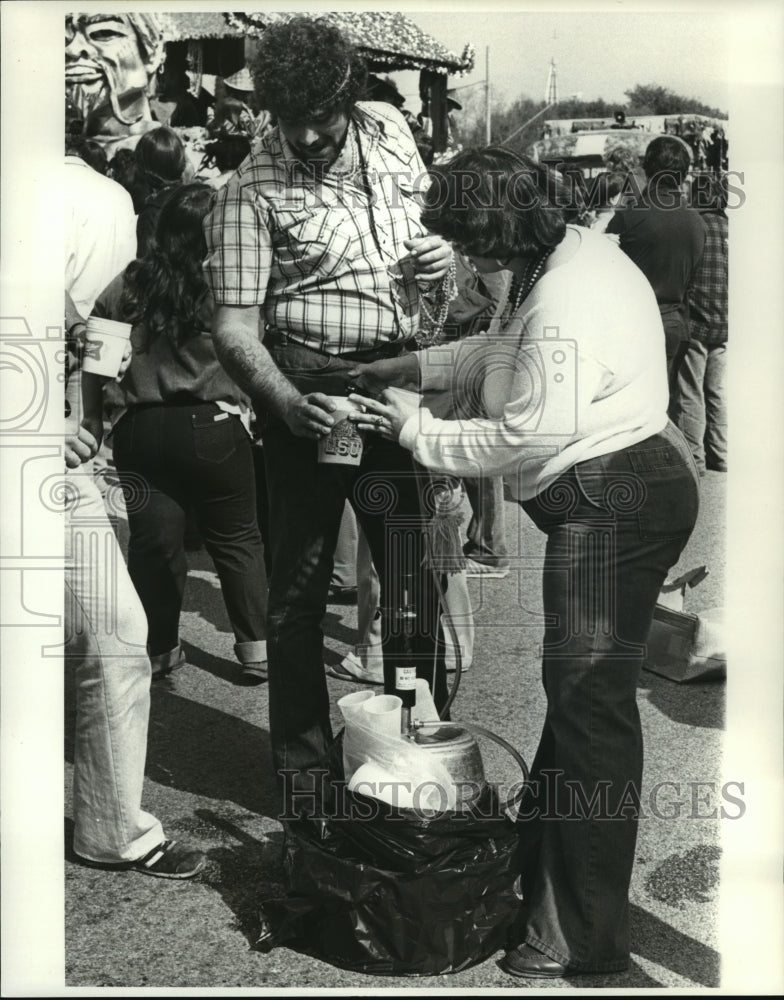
(584, 145)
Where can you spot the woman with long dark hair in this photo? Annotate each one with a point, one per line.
(161, 159)
(575, 392)
(181, 441)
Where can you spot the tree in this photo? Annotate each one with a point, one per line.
(652, 99)
(644, 99)
(573, 108)
(505, 122)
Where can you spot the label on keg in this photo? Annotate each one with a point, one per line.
(405, 678)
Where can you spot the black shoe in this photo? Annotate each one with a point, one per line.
(528, 963)
(342, 595)
(252, 674)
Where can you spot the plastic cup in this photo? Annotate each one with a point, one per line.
(343, 444)
(105, 342)
(349, 704)
(384, 713)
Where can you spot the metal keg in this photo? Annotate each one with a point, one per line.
(458, 752)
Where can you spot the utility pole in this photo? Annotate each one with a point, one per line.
(487, 95)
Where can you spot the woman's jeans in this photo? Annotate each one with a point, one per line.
(171, 458)
(105, 634)
(615, 526)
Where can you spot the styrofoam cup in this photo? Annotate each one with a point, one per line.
(105, 342)
(384, 711)
(351, 703)
(343, 444)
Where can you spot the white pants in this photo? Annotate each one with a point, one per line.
(105, 638)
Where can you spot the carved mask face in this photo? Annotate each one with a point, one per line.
(103, 62)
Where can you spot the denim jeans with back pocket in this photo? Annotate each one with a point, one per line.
(615, 526)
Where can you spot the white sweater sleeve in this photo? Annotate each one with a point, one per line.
(549, 393)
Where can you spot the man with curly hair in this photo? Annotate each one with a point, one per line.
(317, 242)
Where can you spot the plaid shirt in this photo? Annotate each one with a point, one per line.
(307, 249)
(708, 290)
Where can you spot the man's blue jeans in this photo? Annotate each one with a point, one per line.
(486, 538)
(615, 526)
(700, 407)
(306, 503)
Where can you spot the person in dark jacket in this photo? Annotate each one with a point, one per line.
(665, 239)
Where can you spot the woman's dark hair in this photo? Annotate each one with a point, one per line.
(228, 151)
(493, 202)
(166, 290)
(124, 169)
(306, 66)
(94, 154)
(667, 159)
(160, 155)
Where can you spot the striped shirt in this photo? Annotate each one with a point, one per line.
(322, 255)
(708, 292)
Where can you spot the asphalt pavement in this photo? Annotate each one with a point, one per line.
(209, 781)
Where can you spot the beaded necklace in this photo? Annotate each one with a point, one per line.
(430, 331)
(520, 288)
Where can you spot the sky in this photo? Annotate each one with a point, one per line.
(597, 54)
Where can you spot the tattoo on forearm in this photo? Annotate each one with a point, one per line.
(249, 363)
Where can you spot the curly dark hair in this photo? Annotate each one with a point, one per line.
(166, 290)
(494, 202)
(306, 66)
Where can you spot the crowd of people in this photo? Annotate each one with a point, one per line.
(259, 296)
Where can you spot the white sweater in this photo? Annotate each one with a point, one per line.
(579, 372)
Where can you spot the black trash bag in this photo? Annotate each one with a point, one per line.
(397, 892)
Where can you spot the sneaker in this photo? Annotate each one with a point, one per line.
(350, 668)
(171, 859)
(490, 572)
